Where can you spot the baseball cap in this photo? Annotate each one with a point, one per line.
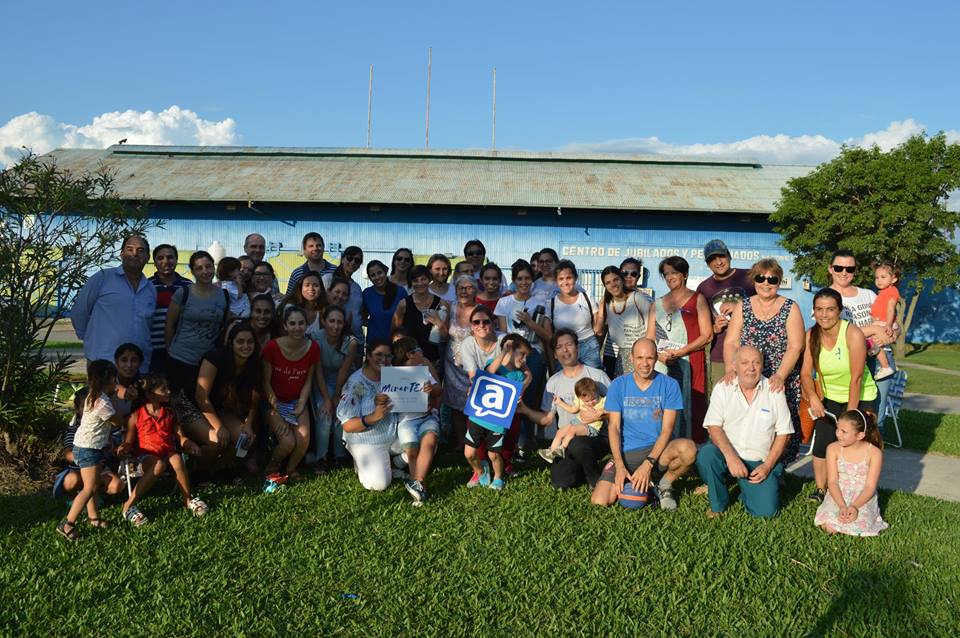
(715, 247)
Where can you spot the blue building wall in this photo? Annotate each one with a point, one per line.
(592, 239)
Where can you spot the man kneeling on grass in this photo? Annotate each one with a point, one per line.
(749, 426)
(642, 408)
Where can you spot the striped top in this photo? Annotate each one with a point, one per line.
(302, 270)
(164, 294)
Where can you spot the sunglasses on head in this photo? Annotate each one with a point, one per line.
(481, 322)
(630, 273)
(473, 253)
(773, 280)
(849, 269)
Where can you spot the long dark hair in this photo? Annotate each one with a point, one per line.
(239, 386)
(393, 260)
(607, 297)
(99, 374)
(816, 336)
(866, 422)
(392, 289)
(296, 297)
(348, 252)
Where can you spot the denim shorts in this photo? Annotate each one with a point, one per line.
(87, 456)
(412, 428)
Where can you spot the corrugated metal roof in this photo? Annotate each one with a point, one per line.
(478, 178)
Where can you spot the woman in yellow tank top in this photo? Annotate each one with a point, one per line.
(836, 353)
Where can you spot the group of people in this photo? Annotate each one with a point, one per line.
(227, 372)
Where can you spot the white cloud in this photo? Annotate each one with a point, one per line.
(772, 149)
(43, 133)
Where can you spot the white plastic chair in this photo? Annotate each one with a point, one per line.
(894, 400)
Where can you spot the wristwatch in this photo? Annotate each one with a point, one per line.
(653, 461)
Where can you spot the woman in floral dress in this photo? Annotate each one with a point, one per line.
(772, 324)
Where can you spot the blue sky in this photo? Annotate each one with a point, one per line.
(570, 76)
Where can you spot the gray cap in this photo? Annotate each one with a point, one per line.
(713, 248)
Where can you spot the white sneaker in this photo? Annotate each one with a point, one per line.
(883, 373)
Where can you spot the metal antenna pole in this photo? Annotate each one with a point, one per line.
(369, 106)
(429, 65)
(494, 136)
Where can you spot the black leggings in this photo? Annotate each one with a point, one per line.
(825, 428)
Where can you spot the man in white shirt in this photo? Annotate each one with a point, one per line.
(749, 426)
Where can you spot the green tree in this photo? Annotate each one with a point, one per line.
(890, 205)
(56, 229)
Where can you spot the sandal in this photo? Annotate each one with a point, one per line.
(198, 507)
(135, 517)
(72, 534)
(99, 523)
(294, 476)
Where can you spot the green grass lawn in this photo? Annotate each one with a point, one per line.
(929, 382)
(325, 558)
(940, 355)
(929, 432)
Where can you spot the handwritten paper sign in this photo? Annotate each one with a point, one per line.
(493, 399)
(404, 386)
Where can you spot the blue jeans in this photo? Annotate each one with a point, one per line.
(532, 397)
(87, 456)
(324, 425)
(883, 386)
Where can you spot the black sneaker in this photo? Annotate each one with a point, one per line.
(816, 496)
(416, 490)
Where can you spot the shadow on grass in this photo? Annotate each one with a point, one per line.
(875, 601)
(919, 429)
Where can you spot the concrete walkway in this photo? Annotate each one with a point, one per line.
(920, 366)
(908, 471)
(931, 403)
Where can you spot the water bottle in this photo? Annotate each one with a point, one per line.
(435, 330)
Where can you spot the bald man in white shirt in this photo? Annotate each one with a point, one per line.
(749, 427)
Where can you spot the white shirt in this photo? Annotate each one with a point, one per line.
(751, 427)
(94, 429)
(857, 308)
(508, 307)
(577, 316)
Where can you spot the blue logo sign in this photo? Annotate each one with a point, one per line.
(493, 399)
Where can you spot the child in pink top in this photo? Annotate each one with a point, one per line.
(886, 276)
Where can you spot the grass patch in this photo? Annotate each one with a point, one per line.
(928, 382)
(940, 355)
(64, 345)
(326, 558)
(928, 432)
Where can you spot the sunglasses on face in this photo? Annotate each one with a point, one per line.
(630, 273)
(262, 274)
(481, 322)
(403, 259)
(356, 259)
(473, 253)
(849, 269)
(773, 280)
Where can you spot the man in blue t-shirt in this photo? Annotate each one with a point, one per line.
(642, 409)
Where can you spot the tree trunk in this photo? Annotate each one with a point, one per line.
(900, 346)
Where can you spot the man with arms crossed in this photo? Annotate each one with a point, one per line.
(749, 426)
(642, 409)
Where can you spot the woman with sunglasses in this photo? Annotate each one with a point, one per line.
(380, 301)
(772, 324)
(628, 316)
(836, 351)
(350, 262)
(685, 323)
(400, 266)
(476, 353)
(857, 303)
(455, 379)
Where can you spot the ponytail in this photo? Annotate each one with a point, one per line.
(865, 421)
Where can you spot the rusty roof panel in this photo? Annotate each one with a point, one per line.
(377, 176)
